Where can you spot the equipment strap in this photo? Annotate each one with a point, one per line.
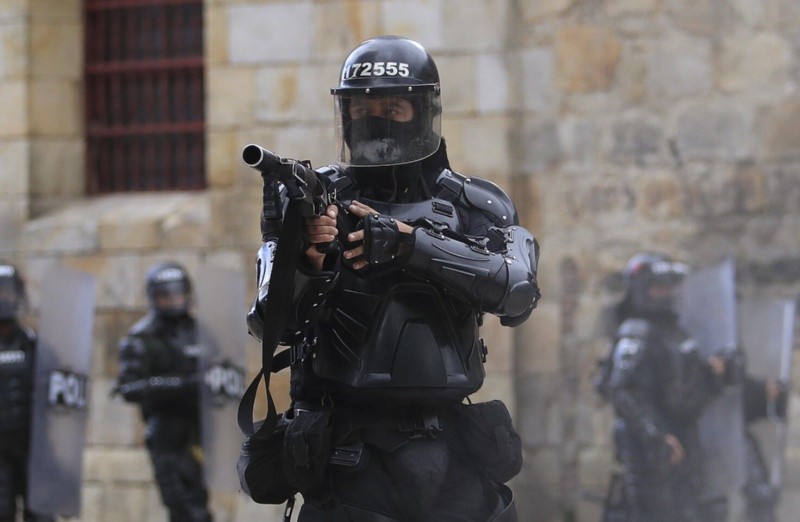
(276, 314)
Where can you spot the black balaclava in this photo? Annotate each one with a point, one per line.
(402, 183)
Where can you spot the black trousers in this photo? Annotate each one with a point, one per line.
(407, 480)
(13, 484)
(180, 482)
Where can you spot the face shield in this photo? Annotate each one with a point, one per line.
(384, 129)
(663, 285)
(170, 299)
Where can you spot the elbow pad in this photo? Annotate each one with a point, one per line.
(500, 283)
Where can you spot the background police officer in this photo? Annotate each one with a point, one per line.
(659, 385)
(385, 329)
(159, 370)
(17, 352)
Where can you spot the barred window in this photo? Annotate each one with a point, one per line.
(144, 90)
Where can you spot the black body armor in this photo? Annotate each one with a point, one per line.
(16, 385)
(159, 370)
(407, 331)
(658, 385)
(17, 352)
(159, 367)
(390, 351)
(381, 356)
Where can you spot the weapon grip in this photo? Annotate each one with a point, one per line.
(271, 208)
(327, 248)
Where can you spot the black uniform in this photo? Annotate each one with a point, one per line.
(17, 353)
(159, 371)
(659, 385)
(17, 357)
(385, 355)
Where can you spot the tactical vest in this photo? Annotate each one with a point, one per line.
(169, 350)
(16, 380)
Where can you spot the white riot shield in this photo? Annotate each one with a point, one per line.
(708, 314)
(221, 312)
(60, 415)
(767, 334)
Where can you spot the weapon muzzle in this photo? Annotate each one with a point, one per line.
(260, 158)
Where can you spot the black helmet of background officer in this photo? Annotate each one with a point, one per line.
(169, 290)
(388, 106)
(12, 292)
(652, 281)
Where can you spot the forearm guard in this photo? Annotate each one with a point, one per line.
(501, 281)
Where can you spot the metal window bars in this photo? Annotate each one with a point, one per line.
(144, 95)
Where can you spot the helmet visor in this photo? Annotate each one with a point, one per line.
(171, 298)
(387, 129)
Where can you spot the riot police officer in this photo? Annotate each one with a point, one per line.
(658, 385)
(17, 353)
(385, 330)
(159, 370)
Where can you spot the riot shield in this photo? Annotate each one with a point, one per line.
(767, 335)
(60, 398)
(708, 314)
(221, 311)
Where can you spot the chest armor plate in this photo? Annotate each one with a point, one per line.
(174, 351)
(685, 390)
(395, 336)
(16, 381)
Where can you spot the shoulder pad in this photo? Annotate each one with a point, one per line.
(481, 194)
(634, 328)
(144, 326)
(627, 353)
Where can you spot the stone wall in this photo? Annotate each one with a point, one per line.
(617, 126)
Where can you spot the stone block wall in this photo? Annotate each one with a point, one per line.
(617, 126)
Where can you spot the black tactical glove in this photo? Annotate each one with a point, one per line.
(382, 239)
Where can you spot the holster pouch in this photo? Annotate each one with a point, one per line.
(485, 433)
(260, 466)
(306, 452)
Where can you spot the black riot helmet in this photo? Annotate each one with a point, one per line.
(388, 105)
(12, 291)
(652, 281)
(169, 290)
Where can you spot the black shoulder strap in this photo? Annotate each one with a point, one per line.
(276, 313)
